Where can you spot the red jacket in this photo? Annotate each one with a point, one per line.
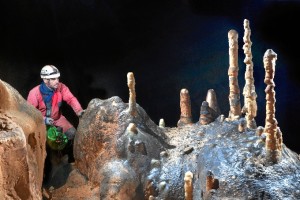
(62, 93)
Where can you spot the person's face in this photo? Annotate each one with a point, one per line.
(52, 82)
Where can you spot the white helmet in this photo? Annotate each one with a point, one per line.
(50, 71)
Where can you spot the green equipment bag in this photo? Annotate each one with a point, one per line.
(56, 139)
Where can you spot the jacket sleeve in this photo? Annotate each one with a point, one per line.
(71, 100)
(32, 98)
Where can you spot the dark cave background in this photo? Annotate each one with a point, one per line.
(168, 45)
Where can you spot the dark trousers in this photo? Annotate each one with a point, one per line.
(55, 157)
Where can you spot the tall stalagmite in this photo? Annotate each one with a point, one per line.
(273, 133)
(132, 96)
(185, 108)
(250, 105)
(234, 90)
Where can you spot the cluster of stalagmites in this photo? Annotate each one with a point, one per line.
(209, 110)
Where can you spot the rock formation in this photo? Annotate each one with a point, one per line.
(124, 155)
(22, 146)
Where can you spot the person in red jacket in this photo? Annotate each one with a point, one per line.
(48, 98)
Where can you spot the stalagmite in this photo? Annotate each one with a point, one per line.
(209, 110)
(205, 114)
(273, 133)
(250, 105)
(188, 185)
(209, 181)
(162, 123)
(211, 99)
(222, 118)
(132, 128)
(132, 132)
(242, 125)
(279, 138)
(211, 184)
(234, 90)
(149, 190)
(185, 108)
(151, 197)
(259, 130)
(132, 96)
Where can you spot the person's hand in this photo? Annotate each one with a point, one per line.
(49, 121)
(80, 113)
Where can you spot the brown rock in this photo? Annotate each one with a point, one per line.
(22, 146)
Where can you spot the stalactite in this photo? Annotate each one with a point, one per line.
(273, 137)
(234, 90)
(188, 185)
(185, 108)
(250, 105)
(132, 96)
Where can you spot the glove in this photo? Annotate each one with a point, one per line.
(49, 121)
(80, 113)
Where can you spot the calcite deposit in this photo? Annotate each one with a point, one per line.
(121, 154)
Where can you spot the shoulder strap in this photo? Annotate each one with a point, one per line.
(48, 109)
